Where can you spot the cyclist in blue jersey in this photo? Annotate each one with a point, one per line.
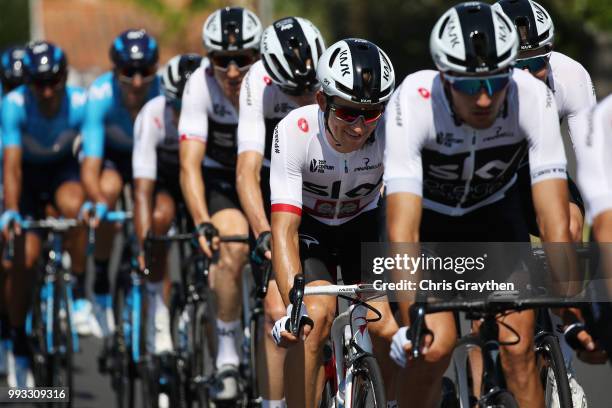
(11, 76)
(40, 123)
(11, 69)
(114, 100)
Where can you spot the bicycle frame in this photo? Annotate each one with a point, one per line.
(349, 331)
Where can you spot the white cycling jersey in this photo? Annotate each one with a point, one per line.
(456, 168)
(154, 131)
(593, 151)
(262, 105)
(306, 171)
(573, 89)
(208, 116)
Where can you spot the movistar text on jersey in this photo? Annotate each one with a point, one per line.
(412, 264)
(430, 285)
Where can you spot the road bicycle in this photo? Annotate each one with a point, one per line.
(357, 380)
(192, 323)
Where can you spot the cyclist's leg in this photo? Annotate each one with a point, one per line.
(224, 208)
(518, 361)
(382, 334)
(227, 283)
(420, 383)
(270, 376)
(19, 285)
(69, 198)
(158, 314)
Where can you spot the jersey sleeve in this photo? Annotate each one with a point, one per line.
(593, 151)
(99, 99)
(403, 143)
(13, 115)
(251, 124)
(146, 135)
(580, 96)
(539, 121)
(193, 123)
(286, 167)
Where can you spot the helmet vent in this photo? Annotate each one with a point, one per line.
(333, 57)
(479, 42)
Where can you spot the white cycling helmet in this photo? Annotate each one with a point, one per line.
(533, 23)
(356, 70)
(473, 38)
(231, 29)
(176, 73)
(290, 49)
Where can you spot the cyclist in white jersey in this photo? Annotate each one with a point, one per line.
(455, 139)
(593, 149)
(155, 167)
(207, 129)
(283, 80)
(325, 180)
(573, 90)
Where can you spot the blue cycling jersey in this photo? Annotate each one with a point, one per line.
(107, 121)
(42, 139)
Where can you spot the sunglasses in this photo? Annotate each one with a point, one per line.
(473, 85)
(127, 74)
(222, 62)
(55, 82)
(534, 64)
(351, 115)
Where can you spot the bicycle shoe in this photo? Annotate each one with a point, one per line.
(578, 397)
(82, 316)
(225, 384)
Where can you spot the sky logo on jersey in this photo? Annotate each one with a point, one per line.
(303, 125)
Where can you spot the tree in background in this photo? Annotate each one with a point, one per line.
(14, 23)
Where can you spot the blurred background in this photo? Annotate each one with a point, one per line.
(85, 28)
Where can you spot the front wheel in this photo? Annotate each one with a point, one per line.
(553, 373)
(368, 390)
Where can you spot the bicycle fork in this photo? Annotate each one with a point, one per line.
(349, 332)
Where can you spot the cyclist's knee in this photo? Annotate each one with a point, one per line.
(111, 184)
(323, 316)
(69, 199)
(233, 258)
(162, 218)
(274, 309)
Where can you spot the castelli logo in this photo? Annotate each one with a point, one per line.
(303, 125)
(267, 80)
(424, 93)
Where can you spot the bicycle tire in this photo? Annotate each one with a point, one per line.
(38, 339)
(552, 362)
(368, 388)
(122, 376)
(254, 325)
(327, 397)
(62, 358)
(200, 348)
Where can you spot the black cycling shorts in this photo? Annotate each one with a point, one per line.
(168, 180)
(324, 247)
(220, 186)
(119, 161)
(40, 182)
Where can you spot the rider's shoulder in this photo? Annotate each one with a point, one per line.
(16, 97)
(76, 95)
(418, 86)
(155, 105)
(301, 121)
(529, 86)
(101, 87)
(561, 64)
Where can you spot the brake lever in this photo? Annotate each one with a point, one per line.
(418, 328)
(296, 296)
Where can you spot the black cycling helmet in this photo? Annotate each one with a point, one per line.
(533, 23)
(44, 62)
(134, 49)
(176, 73)
(12, 71)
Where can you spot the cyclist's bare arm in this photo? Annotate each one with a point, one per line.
(90, 177)
(403, 222)
(248, 177)
(285, 250)
(191, 153)
(12, 177)
(550, 198)
(143, 207)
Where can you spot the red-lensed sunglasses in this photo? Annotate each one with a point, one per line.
(351, 115)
